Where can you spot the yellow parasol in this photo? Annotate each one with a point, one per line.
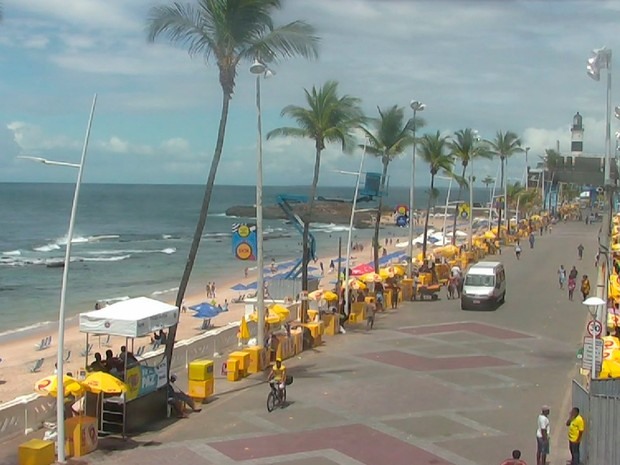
(281, 311)
(244, 331)
(489, 235)
(371, 278)
(316, 295)
(49, 386)
(385, 273)
(330, 296)
(100, 381)
(274, 319)
(355, 284)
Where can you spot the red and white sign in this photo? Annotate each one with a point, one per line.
(595, 328)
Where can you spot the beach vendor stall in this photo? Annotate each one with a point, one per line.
(145, 399)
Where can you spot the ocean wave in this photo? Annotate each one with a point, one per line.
(62, 241)
(102, 237)
(165, 291)
(47, 248)
(329, 228)
(217, 215)
(12, 253)
(167, 251)
(103, 259)
(31, 327)
(111, 300)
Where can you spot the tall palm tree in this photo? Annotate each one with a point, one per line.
(504, 145)
(434, 150)
(466, 146)
(388, 137)
(328, 117)
(227, 32)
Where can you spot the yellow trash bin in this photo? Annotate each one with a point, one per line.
(200, 370)
(36, 452)
(244, 361)
(232, 369)
(257, 359)
(200, 390)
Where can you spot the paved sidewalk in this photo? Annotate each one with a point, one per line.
(431, 385)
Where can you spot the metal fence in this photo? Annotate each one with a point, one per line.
(601, 410)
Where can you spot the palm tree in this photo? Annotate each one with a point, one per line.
(505, 144)
(327, 118)
(514, 191)
(434, 151)
(226, 31)
(466, 147)
(388, 138)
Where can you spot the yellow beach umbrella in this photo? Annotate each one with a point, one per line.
(330, 296)
(281, 311)
(316, 295)
(489, 235)
(385, 274)
(244, 331)
(274, 319)
(49, 386)
(355, 284)
(100, 381)
(371, 278)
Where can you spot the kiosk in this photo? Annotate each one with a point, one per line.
(146, 399)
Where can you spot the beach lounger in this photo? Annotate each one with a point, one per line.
(106, 341)
(45, 343)
(87, 351)
(206, 324)
(37, 366)
(68, 357)
(156, 345)
(140, 351)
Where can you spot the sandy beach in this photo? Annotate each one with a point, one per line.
(20, 354)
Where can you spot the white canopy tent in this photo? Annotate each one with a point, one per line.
(130, 318)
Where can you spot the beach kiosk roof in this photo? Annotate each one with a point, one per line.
(130, 318)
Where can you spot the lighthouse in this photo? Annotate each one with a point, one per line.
(576, 140)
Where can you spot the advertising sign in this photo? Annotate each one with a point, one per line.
(244, 241)
(464, 211)
(402, 215)
(143, 379)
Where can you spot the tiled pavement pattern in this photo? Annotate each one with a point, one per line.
(432, 385)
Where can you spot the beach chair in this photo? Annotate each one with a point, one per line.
(45, 343)
(106, 341)
(156, 344)
(68, 357)
(37, 366)
(140, 351)
(206, 324)
(87, 351)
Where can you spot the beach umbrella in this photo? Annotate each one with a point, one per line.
(330, 296)
(371, 278)
(100, 381)
(205, 310)
(355, 283)
(362, 269)
(281, 311)
(244, 331)
(316, 295)
(49, 386)
(239, 287)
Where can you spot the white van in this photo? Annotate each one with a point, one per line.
(484, 286)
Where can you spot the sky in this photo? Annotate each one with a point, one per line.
(488, 65)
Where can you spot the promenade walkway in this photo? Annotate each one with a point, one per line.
(431, 385)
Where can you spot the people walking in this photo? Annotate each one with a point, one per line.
(532, 240)
(572, 282)
(542, 436)
(580, 251)
(518, 250)
(562, 276)
(585, 286)
(576, 427)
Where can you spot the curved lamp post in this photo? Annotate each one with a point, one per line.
(60, 398)
(415, 106)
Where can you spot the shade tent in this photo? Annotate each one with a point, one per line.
(239, 287)
(205, 310)
(130, 318)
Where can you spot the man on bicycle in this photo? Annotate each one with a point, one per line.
(277, 377)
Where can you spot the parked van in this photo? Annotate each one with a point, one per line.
(484, 286)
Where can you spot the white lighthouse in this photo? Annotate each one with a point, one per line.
(576, 140)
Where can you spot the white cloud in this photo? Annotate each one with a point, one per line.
(38, 42)
(30, 137)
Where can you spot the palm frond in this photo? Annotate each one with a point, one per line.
(294, 39)
(288, 132)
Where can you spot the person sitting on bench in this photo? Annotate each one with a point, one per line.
(176, 398)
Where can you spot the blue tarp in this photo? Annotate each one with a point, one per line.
(239, 287)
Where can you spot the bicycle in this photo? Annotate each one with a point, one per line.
(276, 397)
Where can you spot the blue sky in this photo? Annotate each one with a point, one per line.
(489, 65)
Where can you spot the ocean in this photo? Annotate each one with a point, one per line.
(132, 240)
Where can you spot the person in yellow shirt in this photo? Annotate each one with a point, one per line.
(277, 377)
(576, 426)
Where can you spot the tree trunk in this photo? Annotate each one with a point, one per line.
(456, 209)
(200, 226)
(378, 220)
(501, 204)
(428, 212)
(306, 235)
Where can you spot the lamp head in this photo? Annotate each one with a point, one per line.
(257, 67)
(617, 112)
(417, 106)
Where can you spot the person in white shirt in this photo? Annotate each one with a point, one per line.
(542, 436)
(455, 270)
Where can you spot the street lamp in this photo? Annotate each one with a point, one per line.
(258, 68)
(353, 206)
(601, 59)
(415, 106)
(593, 303)
(60, 398)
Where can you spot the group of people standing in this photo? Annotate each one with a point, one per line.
(572, 276)
(210, 288)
